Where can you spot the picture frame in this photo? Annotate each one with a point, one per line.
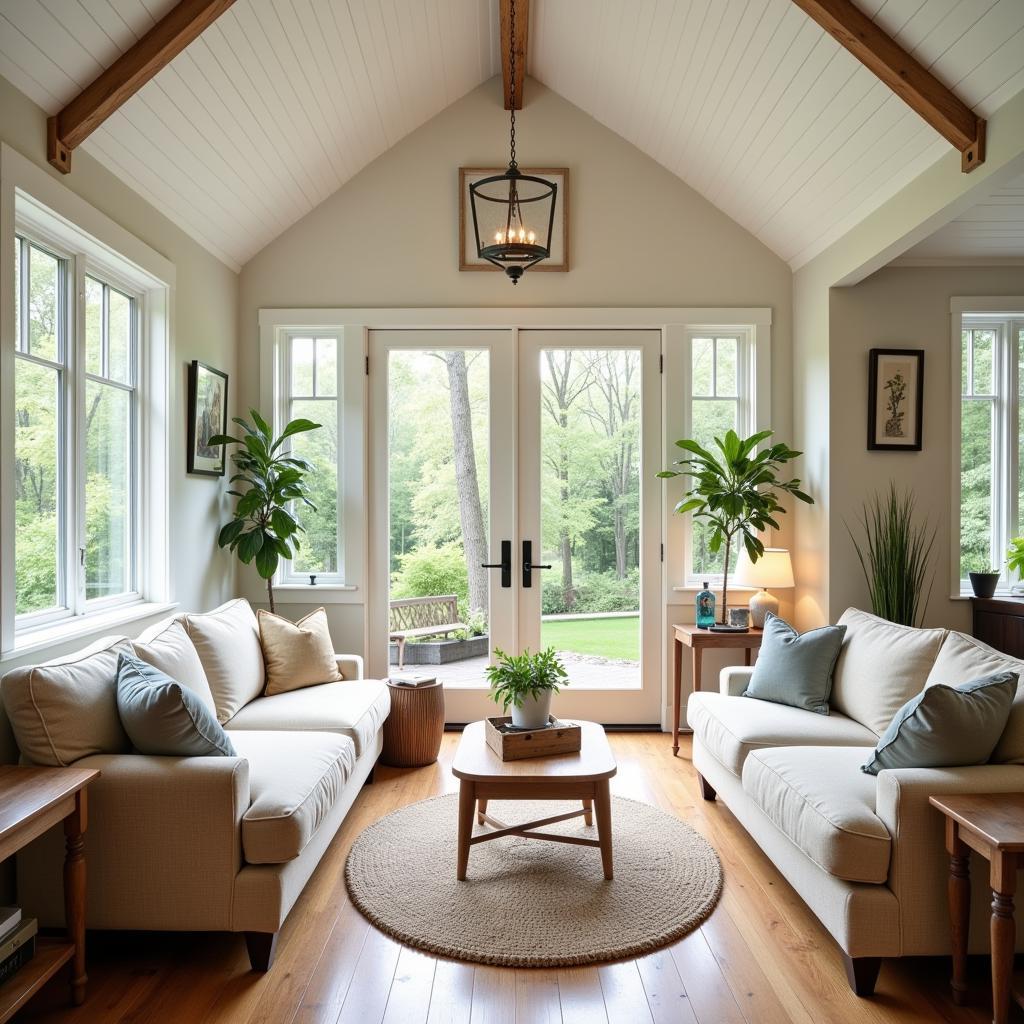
(895, 399)
(557, 262)
(207, 416)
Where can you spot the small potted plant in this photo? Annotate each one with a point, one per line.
(525, 682)
(1015, 563)
(984, 583)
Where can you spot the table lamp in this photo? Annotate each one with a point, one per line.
(772, 569)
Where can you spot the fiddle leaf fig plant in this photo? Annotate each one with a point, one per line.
(272, 480)
(737, 491)
(1015, 558)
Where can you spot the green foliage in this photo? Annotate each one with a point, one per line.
(514, 677)
(736, 492)
(1015, 556)
(895, 556)
(263, 528)
(476, 625)
(431, 572)
(595, 592)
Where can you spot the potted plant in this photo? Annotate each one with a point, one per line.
(525, 682)
(263, 528)
(1015, 563)
(895, 558)
(737, 491)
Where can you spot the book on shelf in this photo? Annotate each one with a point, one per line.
(10, 918)
(18, 948)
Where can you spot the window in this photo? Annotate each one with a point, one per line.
(311, 387)
(720, 366)
(75, 408)
(991, 448)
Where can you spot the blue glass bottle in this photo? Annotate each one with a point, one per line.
(705, 608)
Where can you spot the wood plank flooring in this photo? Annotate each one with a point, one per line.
(761, 958)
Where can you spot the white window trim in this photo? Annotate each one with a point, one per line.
(33, 201)
(973, 312)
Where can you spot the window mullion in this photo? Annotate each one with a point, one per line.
(77, 384)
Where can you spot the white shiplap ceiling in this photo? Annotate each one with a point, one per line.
(280, 102)
(992, 231)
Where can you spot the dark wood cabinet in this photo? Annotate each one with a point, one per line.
(999, 622)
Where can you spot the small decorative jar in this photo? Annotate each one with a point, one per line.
(739, 617)
(705, 608)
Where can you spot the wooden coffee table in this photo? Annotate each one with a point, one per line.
(581, 776)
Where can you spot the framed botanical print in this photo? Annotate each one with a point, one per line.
(895, 399)
(207, 417)
(559, 258)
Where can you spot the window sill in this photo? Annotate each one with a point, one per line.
(305, 593)
(81, 626)
(716, 587)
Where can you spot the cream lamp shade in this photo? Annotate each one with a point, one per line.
(773, 569)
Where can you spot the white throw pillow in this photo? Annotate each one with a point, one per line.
(228, 643)
(881, 666)
(167, 647)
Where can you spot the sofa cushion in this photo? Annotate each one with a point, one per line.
(881, 666)
(164, 718)
(819, 798)
(67, 708)
(294, 781)
(297, 654)
(355, 708)
(731, 727)
(228, 643)
(947, 726)
(962, 658)
(167, 647)
(795, 668)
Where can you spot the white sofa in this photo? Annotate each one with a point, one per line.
(865, 853)
(196, 843)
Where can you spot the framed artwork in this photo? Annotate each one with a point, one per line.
(207, 417)
(559, 258)
(895, 405)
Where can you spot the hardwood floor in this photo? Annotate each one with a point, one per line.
(761, 958)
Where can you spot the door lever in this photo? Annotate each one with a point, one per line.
(505, 565)
(528, 565)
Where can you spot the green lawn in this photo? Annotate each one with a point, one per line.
(611, 638)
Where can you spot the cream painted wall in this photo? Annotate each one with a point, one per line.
(899, 307)
(204, 326)
(639, 237)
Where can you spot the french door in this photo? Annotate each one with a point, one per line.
(518, 468)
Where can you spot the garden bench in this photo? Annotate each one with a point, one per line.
(423, 616)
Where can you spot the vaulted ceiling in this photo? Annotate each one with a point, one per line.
(280, 102)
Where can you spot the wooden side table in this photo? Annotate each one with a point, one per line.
(992, 825)
(414, 728)
(33, 800)
(699, 640)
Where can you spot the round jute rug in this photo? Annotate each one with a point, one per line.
(530, 903)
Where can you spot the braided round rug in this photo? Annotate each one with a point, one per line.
(530, 903)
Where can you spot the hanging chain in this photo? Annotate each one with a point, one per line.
(512, 82)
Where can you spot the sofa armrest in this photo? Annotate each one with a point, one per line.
(919, 865)
(163, 844)
(734, 679)
(350, 665)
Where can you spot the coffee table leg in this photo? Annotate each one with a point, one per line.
(481, 811)
(603, 809)
(467, 805)
(959, 889)
(588, 812)
(1003, 932)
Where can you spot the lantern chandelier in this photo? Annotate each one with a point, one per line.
(513, 213)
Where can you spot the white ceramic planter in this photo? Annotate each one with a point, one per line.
(534, 712)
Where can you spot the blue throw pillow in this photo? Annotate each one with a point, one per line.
(163, 717)
(795, 668)
(947, 726)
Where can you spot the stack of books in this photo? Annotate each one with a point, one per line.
(17, 941)
(412, 679)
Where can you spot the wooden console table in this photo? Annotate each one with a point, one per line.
(698, 640)
(33, 800)
(999, 622)
(992, 825)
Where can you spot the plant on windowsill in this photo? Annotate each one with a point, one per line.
(737, 491)
(1015, 563)
(263, 528)
(525, 682)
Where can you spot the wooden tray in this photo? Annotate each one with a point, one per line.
(515, 744)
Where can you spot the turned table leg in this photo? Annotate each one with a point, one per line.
(1003, 932)
(959, 889)
(74, 893)
(467, 806)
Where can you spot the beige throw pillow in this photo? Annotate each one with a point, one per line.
(297, 654)
(167, 647)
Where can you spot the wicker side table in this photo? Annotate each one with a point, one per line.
(413, 729)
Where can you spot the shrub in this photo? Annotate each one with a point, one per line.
(595, 592)
(431, 572)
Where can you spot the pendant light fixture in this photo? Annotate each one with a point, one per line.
(513, 213)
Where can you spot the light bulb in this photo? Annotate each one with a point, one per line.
(497, 237)
(530, 237)
(522, 235)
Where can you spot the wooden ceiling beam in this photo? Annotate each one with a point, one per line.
(514, 90)
(911, 81)
(129, 73)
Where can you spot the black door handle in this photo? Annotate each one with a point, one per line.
(528, 565)
(505, 565)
